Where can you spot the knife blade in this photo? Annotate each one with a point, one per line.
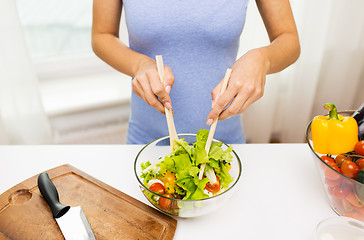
(71, 220)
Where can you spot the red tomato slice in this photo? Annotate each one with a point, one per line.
(213, 188)
(165, 203)
(157, 188)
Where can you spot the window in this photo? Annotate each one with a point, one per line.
(56, 28)
(58, 37)
(75, 86)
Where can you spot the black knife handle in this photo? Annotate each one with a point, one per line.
(49, 192)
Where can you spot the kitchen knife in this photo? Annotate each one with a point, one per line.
(71, 220)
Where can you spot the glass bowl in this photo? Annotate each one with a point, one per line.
(183, 208)
(340, 228)
(345, 195)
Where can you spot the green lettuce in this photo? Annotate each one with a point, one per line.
(225, 177)
(185, 162)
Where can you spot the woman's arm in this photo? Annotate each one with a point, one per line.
(281, 28)
(247, 80)
(108, 47)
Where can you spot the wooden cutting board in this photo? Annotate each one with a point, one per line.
(24, 214)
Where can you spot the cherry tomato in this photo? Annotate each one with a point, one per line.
(359, 148)
(331, 173)
(165, 203)
(332, 183)
(360, 163)
(340, 191)
(348, 182)
(213, 188)
(157, 188)
(327, 159)
(340, 159)
(349, 169)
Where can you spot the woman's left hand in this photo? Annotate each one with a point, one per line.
(245, 86)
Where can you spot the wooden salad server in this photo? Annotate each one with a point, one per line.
(213, 125)
(169, 114)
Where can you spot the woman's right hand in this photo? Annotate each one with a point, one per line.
(147, 85)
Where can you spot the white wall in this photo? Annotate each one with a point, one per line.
(330, 69)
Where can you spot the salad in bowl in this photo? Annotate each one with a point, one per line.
(171, 181)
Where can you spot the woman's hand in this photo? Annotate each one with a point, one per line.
(246, 85)
(147, 85)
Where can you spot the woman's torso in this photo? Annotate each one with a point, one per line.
(198, 40)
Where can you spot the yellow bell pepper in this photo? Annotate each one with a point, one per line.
(334, 134)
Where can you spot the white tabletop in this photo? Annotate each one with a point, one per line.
(279, 195)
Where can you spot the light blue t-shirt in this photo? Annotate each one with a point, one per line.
(198, 40)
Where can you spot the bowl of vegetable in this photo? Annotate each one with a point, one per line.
(171, 180)
(340, 164)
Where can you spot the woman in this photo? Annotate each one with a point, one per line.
(198, 41)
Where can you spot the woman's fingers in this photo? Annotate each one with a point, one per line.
(142, 89)
(221, 102)
(240, 93)
(148, 86)
(236, 107)
(168, 79)
(137, 88)
(246, 85)
(249, 94)
(215, 93)
(150, 98)
(158, 89)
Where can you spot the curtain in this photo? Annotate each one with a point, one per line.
(330, 69)
(22, 119)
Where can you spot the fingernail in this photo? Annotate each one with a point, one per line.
(209, 121)
(168, 89)
(168, 105)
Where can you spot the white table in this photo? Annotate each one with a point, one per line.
(279, 195)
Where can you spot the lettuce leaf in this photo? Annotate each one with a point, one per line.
(200, 153)
(188, 180)
(227, 154)
(182, 162)
(199, 194)
(145, 165)
(167, 165)
(202, 135)
(216, 151)
(225, 177)
(182, 146)
(185, 181)
(215, 165)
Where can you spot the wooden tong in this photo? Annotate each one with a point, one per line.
(169, 115)
(213, 125)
